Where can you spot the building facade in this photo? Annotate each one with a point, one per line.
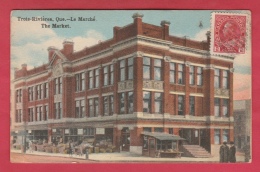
(141, 80)
(242, 123)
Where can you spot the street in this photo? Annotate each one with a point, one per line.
(27, 158)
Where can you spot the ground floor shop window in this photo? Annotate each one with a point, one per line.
(158, 130)
(225, 135)
(217, 136)
(147, 129)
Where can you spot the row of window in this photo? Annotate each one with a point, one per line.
(126, 106)
(41, 113)
(38, 92)
(126, 73)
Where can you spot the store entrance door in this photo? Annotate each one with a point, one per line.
(191, 136)
(125, 141)
(151, 147)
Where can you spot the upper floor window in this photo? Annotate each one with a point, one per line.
(46, 89)
(80, 108)
(225, 79)
(30, 92)
(225, 105)
(19, 95)
(106, 75)
(121, 103)
(172, 72)
(122, 70)
(90, 79)
(216, 107)
(111, 74)
(216, 78)
(180, 74)
(31, 115)
(38, 114)
(180, 105)
(158, 102)
(146, 68)
(46, 112)
(93, 107)
(58, 85)
(192, 76)
(192, 105)
(108, 102)
(199, 76)
(96, 78)
(39, 91)
(130, 66)
(147, 101)
(130, 102)
(157, 69)
(80, 81)
(58, 110)
(19, 116)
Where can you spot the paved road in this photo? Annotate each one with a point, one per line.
(26, 158)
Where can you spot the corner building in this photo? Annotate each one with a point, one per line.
(141, 80)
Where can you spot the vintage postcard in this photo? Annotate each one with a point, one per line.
(98, 86)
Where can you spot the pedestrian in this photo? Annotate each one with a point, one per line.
(70, 148)
(223, 152)
(246, 150)
(30, 146)
(232, 153)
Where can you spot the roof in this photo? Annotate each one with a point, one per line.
(163, 136)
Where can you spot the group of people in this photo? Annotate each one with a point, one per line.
(226, 153)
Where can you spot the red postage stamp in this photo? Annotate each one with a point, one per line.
(229, 33)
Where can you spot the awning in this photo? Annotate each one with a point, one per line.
(163, 136)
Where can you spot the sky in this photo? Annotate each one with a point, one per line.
(29, 40)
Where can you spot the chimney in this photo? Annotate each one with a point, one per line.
(115, 29)
(208, 36)
(138, 23)
(68, 46)
(24, 67)
(51, 51)
(165, 25)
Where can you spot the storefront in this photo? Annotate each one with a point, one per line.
(161, 145)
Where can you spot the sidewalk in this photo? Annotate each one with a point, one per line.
(131, 157)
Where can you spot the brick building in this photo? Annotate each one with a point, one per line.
(143, 79)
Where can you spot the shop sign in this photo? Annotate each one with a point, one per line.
(100, 130)
(54, 130)
(67, 131)
(80, 131)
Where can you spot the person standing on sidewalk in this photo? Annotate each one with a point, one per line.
(224, 152)
(70, 148)
(232, 153)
